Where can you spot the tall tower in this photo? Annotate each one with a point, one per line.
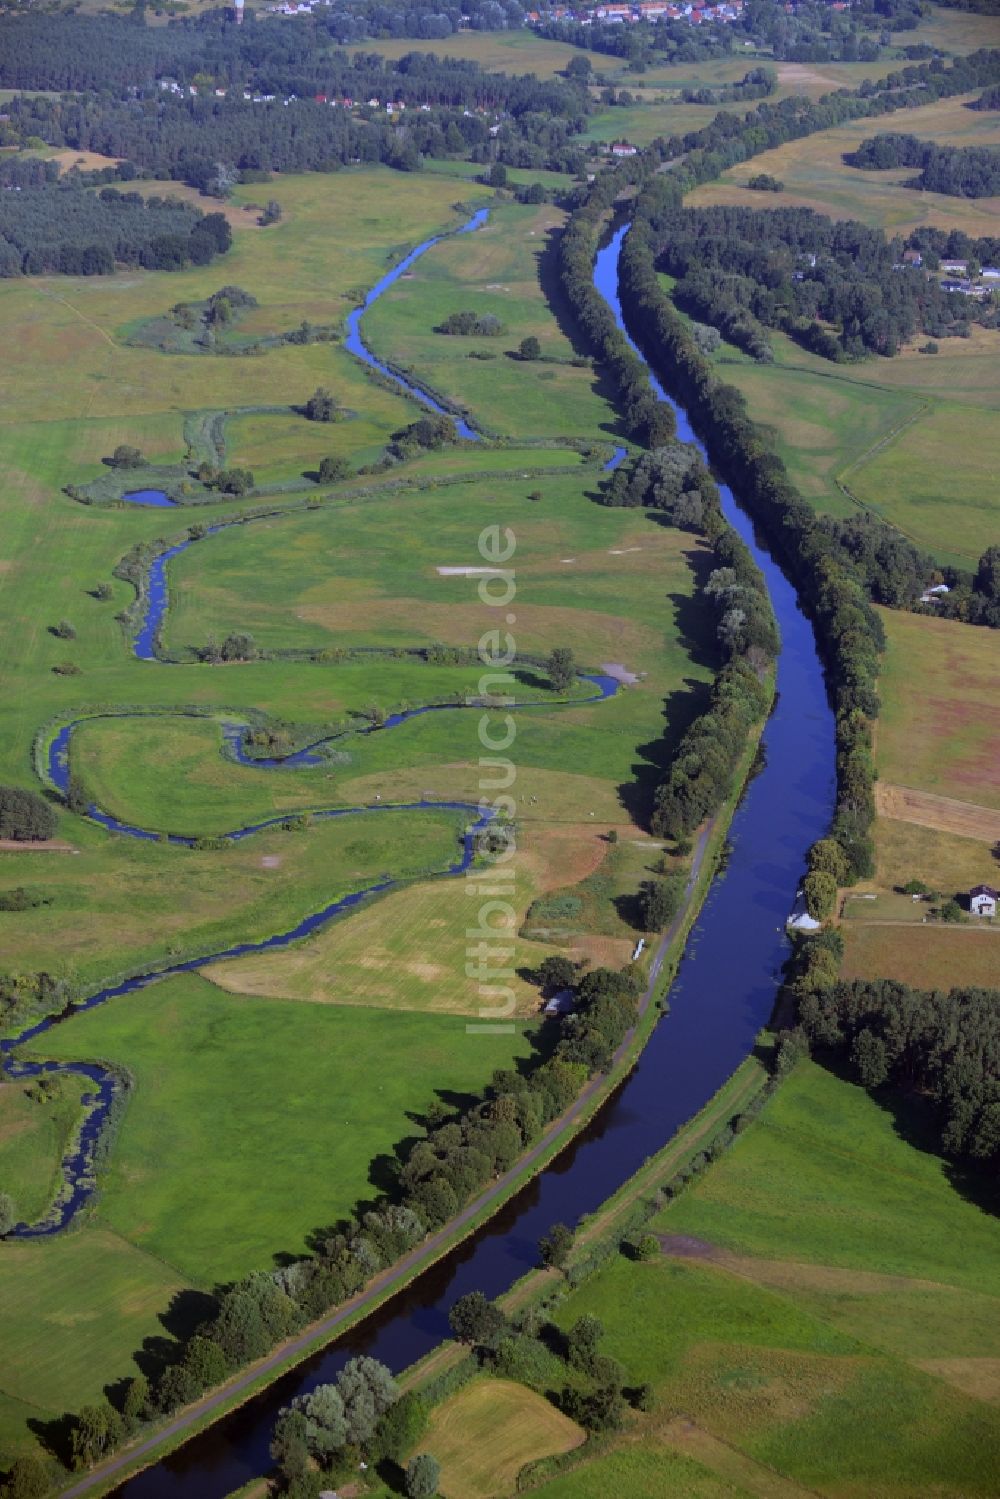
(239, 12)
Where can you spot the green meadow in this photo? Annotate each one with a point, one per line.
(36, 1126)
(250, 1125)
(823, 1322)
(323, 1091)
(247, 1126)
(501, 270)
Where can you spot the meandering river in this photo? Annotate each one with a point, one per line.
(723, 994)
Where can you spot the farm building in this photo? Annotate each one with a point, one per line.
(983, 900)
(623, 148)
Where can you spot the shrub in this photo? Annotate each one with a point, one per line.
(25, 816)
(126, 457)
(423, 1474)
(22, 898)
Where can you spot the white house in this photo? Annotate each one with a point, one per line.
(983, 900)
(561, 1003)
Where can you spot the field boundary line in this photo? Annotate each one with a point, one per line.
(856, 464)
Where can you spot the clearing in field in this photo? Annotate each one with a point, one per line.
(823, 1269)
(410, 952)
(484, 1435)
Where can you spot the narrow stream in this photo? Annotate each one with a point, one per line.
(723, 995)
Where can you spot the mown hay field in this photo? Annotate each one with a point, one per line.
(926, 957)
(412, 951)
(485, 1434)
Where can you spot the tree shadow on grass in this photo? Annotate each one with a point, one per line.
(55, 1436)
(680, 708)
(913, 1120)
(559, 305)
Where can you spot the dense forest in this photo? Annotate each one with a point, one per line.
(76, 232)
(55, 50)
(959, 171)
(836, 285)
(988, 99)
(186, 136)
(945, 1046)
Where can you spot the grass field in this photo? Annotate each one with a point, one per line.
(506, 269)
(911, 439)
(411, 953)
(33, 1139)
(825, 1270)
(84, 1304)
(938, 801)
(255, 1115)
(928, 957)
(815, 175)
(497, 51)
(476, 1463)
(941, 739)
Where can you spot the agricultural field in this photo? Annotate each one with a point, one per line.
(484, 1435)
(496, 51)
(910, 438)
(943, 738)
(824, 1270)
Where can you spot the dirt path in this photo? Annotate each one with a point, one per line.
(322, 1332)
(945, 814)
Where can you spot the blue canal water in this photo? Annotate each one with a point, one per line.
(724, 992)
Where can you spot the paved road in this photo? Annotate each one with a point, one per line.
(319, 1333)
